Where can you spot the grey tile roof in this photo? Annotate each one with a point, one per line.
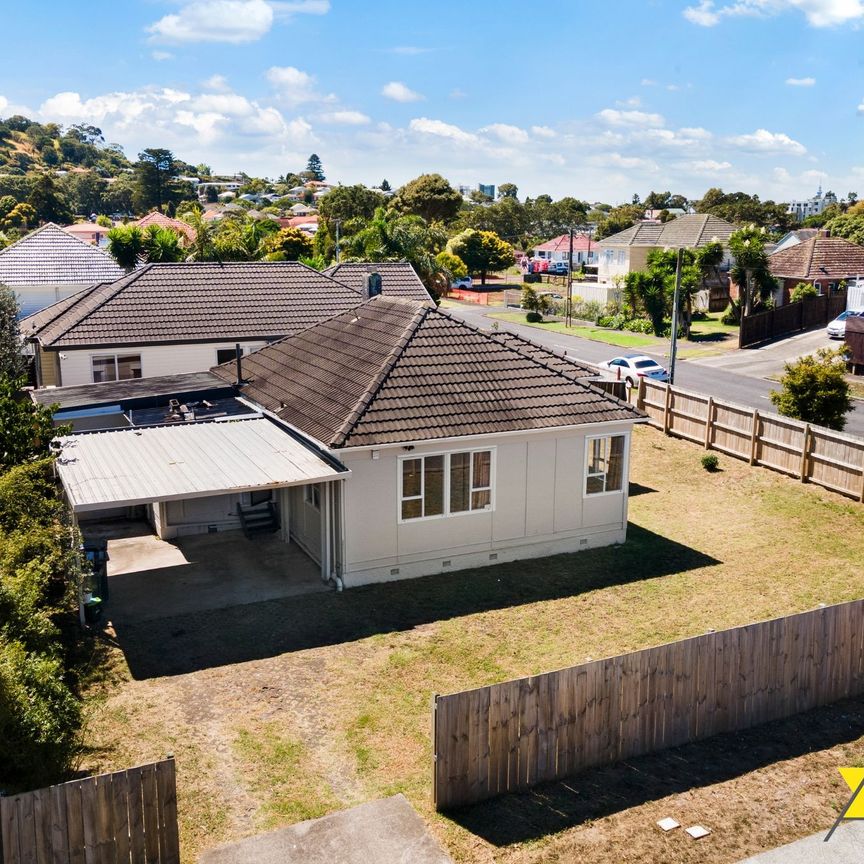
(818, 258)
(398, 278)
(690, 231)
(189, 302)
(395, 370)
(50, 256)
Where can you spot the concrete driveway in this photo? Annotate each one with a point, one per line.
(845, 847)
(149, 578)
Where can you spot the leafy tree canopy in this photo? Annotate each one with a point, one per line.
(429, 196)
(482, 252)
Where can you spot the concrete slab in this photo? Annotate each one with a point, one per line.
(388, 831)
(149, 578)
(846, 845)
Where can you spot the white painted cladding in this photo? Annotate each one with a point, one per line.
(76, 366)
(539, 509)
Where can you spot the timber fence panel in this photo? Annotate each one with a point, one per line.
(126, 817)
(814, 454)
(511, 736)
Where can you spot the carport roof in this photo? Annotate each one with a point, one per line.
(123, 467)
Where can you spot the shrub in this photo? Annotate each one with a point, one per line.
(815, 389)
(710, 462)
(639, 325)
(533, 317)
(802, 290)
(531, 277)
(587, 310)
(732, 315)
(615, 322)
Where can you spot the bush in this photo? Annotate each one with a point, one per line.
(615, 322)
(587, 310)
(533, 317)
(815, 389)
(710, 462)
(802, 290)
(531, 277)
(732, 315)
(639, 325)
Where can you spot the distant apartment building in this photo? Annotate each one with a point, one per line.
(487, 189)
(811, 206)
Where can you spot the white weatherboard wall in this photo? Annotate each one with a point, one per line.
(76, 365)
(539, 509)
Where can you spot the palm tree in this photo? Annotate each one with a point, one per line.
(163, 245)
(126, 245)
(751, 269)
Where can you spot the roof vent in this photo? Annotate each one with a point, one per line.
(372, 284)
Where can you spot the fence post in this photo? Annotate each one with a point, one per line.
(640, 393)
(805, 452)
(708, 422)
(754, 437)
(666, 410)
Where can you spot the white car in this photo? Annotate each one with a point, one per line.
(837, 328)
(464, 282)
(632, 367)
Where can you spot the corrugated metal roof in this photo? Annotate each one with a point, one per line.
(123, 467)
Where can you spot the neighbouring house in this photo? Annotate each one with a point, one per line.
(49, 264)
(793, 238)
(628, 250)
(184, 317)
(558, 249)
(302, 210)
(89, 232)
(389, 441)
(822, 261)
(399, 276)
(306, 224)
(186, 231)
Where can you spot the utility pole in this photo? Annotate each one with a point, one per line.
(673, 351)
(568, 319)
(337, 222)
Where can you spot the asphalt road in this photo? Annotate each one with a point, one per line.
(721, 383)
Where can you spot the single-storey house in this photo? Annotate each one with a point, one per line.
(160, 220)
(184, 317)
(558, 249)
(793, 238)
(389, 441)
(89, 232)
(628, 250)
(822, 261)
(399, 276)
(49, 264)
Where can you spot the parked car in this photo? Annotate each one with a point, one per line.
(464, 282)
(559, 268)
(837, 328)
(632, 367)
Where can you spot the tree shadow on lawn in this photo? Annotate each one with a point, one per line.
(181, 644)
(601, 792)
(708, 336)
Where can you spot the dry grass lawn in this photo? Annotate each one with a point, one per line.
(285, 710)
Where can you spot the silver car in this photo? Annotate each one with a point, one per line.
(837, 328)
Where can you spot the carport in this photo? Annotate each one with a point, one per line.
(193, 478)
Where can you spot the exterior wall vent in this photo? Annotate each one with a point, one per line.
(493, 556)
(394, 571)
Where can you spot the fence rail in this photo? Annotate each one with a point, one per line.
(813, 454)
(790, 318)
(509, 737)
(127, 817)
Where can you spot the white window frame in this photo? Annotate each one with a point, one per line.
(490, 507)
(309, 496)
(115, 357)
(625, 468)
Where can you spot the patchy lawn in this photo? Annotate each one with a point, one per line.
(623, 338)
(281, 710)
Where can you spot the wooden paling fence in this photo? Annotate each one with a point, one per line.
(509, 737)
(128, 817)
(790, 318)
(811, 453)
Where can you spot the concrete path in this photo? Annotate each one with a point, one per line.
(845, 846)
(380, 832)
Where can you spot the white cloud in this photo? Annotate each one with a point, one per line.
(800, 82)
(706, 166)
(614, 117)
(632, 102)
(409, 50)
(507, 133)
(648, 82)
(294, 86)
(3, 103)
(231, 21)
(440, 129)
(695, 132)
(399, 92)
(159, 56)
(861, 107)
(616, 160)
(216, 82)
(763, 141)
(819, 13)
(456, 93)
(345, 118)
(781, 175)
(542, 132)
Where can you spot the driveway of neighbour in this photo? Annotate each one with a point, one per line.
(845, 846)
(149, 578)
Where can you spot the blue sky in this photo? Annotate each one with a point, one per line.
(596, 100)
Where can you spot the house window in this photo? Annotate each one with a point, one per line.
(622, 256)
(116, 367)
(312, 495)
(226, 355)
(604, 464)
(445, 484)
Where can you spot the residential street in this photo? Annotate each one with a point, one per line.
(721, 377)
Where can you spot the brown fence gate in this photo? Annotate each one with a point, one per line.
(127, 817)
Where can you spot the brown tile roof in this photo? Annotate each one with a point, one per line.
(395, 370)
(163, 221)
(818, 258)
(189, 302)
(398, 278)
(690, 231)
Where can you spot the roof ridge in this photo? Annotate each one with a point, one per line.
(812, 241)
(365, 399)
